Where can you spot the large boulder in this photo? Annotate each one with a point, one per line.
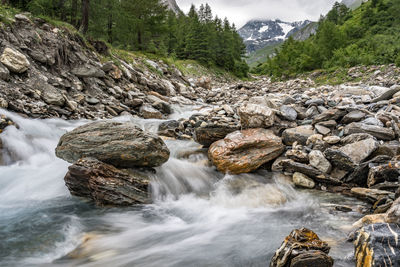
(107, 185)
(120, 144)
(299, 134)
(14, 60)
(245, 151)
(379, 132)
(378, 245)
(350, 156)
(212, 133)
(302, 248)
(256, 116)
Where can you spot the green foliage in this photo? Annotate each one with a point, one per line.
(368, 35)
(147, 26)
(7, 14)
(397, 61)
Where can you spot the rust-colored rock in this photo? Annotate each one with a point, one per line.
(302, 248)
(245, 151)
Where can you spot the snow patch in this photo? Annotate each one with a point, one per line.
(286, 28)
(263, 29)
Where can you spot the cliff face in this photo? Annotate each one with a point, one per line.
(47, 71)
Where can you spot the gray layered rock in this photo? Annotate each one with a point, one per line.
(87, 71)
(389, 172)
(51, 95)
(378, 245)
(318, 160)
(256, 116)
(120, 144)
(299, 134)
(212, 133)
(350, 156)
(14, 60)
(387, 94)
(288, 113)
(107, 185)
(376, 131)
(148, 112)
(4, 73)
(354, 116)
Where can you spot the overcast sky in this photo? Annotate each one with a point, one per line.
(241, 11)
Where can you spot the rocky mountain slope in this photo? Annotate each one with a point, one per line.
(261, 33)
(262, 37)
(172, 5)
(47, 71)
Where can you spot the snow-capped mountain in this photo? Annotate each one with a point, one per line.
(172, 5)
(258, 34)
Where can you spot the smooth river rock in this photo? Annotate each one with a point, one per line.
(302, 180)
(107, 185)
(245, 151)
(120, 144)
(302, 248)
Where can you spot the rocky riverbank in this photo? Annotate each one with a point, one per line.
(343, 139)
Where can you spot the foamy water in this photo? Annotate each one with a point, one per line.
(199, 216)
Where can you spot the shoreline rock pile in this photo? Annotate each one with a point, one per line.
(48, 72)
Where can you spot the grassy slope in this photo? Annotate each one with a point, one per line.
(261, 55)
(189, 68)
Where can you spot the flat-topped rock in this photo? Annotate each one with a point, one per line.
(120, 144)
(379, 132)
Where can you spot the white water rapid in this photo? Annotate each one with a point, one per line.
(199, 217)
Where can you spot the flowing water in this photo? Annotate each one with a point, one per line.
(199, 217)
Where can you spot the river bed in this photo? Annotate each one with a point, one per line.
(199, 216)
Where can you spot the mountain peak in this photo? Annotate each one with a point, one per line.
(172, 5)
(259, 33)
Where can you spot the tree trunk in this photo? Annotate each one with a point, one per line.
(74, 13)
(139, 39)
(110, 22)
(61, 10)
(85, 16)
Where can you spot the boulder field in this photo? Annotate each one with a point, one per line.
(338, 138)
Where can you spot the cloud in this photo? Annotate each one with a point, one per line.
(241, 11)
